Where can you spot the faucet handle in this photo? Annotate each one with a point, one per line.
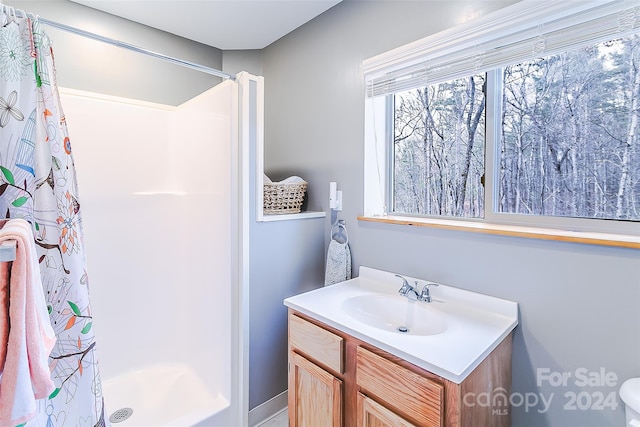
(405, 285)
(425, 295)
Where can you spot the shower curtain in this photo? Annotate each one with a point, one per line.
(38, 184)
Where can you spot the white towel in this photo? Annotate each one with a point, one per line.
(338, 263)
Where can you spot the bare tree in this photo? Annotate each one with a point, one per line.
(569, 139)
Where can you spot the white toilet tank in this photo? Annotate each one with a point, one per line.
(630, 395)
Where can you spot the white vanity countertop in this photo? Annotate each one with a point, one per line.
(476, 323)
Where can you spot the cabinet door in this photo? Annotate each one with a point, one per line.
(371, 414)
(315, 396)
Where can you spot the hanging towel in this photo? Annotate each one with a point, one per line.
(338, 258)
(30, 338)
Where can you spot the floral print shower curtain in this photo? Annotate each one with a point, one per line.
(38, 184)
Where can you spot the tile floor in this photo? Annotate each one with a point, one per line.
(281, 419)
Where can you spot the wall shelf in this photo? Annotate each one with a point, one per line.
(286, 217)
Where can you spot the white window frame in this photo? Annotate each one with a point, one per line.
(526, 20)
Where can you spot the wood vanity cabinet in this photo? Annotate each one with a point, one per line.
(340, 381)
(315, 394)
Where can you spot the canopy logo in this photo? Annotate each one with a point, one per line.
(591, 396)
(499, 400)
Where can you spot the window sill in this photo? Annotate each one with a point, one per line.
(603, 239)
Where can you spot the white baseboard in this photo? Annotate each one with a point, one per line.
(268, 409)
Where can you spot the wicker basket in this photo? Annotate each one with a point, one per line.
(284, 198)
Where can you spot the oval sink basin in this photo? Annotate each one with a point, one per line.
(395, 313)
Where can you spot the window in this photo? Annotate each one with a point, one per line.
(569, 146)
(438, 149)
(536, 125)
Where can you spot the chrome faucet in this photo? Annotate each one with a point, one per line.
(411, 292)
(407, 290)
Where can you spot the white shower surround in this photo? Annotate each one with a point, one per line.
(158, 189)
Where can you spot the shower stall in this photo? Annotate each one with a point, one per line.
(163, 190)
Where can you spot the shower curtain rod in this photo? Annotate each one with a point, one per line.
(87, 34)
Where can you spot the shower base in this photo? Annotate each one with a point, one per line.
(164, 395)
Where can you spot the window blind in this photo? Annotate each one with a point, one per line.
(526, 30)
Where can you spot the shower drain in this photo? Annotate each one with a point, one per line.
(121, 415)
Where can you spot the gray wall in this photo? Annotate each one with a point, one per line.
(95, 66)
(285, 258)
(579, 304)
(235, 61)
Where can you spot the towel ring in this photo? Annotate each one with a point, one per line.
(335, 228)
